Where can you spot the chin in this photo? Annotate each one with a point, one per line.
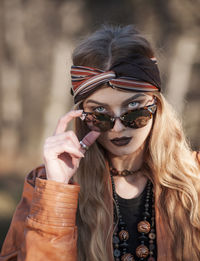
(121, 150)
(120, 153)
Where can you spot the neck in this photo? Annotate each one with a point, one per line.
(133, 185)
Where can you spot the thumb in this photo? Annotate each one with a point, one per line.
(90, 138)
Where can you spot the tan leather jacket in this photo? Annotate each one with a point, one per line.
(44, 224)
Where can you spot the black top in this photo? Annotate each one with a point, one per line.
(131, 211)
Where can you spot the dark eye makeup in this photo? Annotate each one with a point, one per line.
(130, 105)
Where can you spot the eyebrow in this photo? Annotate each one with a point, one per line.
(124, 102)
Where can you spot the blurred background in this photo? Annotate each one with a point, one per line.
(36, 41)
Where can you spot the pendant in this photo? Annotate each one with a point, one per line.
(124, 235)
(143, 227)
(142, 251)
(127, 257)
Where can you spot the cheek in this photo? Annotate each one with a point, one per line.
(142, 133)
(103, 138)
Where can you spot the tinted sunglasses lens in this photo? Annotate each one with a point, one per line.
(136, 119)
(99, 122)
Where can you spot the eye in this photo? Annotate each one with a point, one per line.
(133, 104)
(100, 109)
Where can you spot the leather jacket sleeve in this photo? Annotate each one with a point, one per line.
(44, 223)
(44, 228)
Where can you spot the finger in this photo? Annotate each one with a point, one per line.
(53, 151)
(65, 137)
(63, 122)
(90, 138)
(57, 143)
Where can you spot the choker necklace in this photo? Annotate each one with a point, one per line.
(146, 228)
(125, 172)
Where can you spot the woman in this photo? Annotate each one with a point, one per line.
(138, 179)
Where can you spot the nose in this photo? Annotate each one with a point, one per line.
(118, 126)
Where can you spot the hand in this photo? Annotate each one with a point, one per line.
(63, 152)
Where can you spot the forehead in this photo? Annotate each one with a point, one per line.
(111, 96)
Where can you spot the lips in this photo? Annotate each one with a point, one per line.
(122, 141)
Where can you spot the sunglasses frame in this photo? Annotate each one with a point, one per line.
(151, 108)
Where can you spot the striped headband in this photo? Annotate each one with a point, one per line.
(136, 73)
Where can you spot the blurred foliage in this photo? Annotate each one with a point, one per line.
(36, 41)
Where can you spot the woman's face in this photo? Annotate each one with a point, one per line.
(120, 140)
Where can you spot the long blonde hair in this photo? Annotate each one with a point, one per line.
(177, 182)
(174, 172)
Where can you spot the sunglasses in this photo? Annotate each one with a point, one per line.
(135, 119)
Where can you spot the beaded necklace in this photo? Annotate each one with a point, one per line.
(123, 173)
(146, 228)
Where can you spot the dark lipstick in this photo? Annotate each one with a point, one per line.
(121, 141)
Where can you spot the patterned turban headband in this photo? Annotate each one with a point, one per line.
(136, 73)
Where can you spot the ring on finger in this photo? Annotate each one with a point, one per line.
(83, 146)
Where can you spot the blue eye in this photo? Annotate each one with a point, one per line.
(99, 109)
(133, 104)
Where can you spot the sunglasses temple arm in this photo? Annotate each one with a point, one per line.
(152, 108)
(83, 116)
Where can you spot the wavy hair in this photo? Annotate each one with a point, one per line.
(173, 169)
